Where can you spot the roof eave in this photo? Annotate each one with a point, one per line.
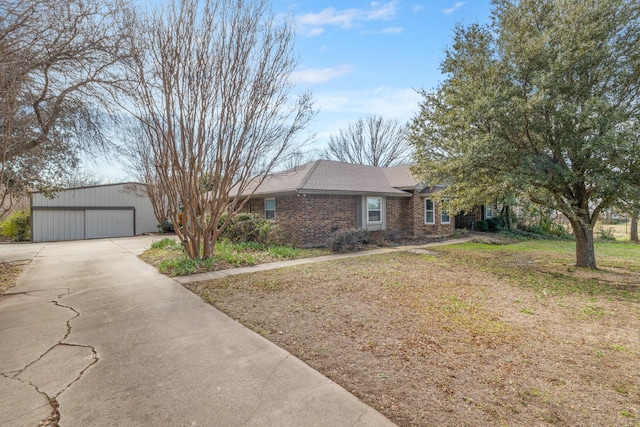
(357, 193)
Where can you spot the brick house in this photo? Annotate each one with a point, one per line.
(314, 200)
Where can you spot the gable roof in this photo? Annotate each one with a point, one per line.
(330, 177)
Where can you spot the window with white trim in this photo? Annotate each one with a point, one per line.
(374, 210)
(429, 212)
(489, 211)
(270, 209)
(444, 215)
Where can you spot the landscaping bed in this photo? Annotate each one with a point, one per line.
(169, 257)
(471, 334)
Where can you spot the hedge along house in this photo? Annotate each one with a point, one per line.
(113, 210)
(314, 200)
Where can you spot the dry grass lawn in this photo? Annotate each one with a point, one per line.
(467, 335)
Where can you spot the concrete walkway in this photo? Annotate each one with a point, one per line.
(274, 265)
(96, 337)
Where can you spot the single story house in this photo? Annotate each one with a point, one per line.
(312, 201)
(111, 210)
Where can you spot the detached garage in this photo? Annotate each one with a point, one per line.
(113, 210)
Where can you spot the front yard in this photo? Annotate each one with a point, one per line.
(472, 334)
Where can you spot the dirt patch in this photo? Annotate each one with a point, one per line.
(429, 340)
(8, 275)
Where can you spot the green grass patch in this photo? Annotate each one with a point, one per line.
(166, 243)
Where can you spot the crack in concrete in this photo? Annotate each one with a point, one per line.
(357, 421)
(28, 293)
(264, 385)
(54, 417)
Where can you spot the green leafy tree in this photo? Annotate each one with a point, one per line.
(543, 103)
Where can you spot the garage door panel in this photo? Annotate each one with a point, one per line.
(109, 223)
(51, 226)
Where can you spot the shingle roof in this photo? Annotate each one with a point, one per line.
(326, 176)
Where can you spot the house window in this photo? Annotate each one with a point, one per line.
(270, 209)
(489, 212)
(429, 212)
(444, 215)
(374, 210)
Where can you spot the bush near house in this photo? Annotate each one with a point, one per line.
(483, 226)
(350, 240)
(246, 227)
(166, 226)
(16, 227)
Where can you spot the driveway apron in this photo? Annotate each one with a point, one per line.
(95, 337)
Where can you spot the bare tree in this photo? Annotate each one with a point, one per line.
(214, 99)
(138, 152)
(78, 178)
(299, 157)
(372, 141)
(56, 61)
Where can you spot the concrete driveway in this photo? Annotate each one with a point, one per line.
(94, 336)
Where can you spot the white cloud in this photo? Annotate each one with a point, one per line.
(313, 32)
(453, 9)
(392, 30)
(381, 11)
(391, 102)
(418, 8)
(338, 109)
(321, 75)
(313, 24)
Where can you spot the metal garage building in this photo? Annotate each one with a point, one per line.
(113, 210)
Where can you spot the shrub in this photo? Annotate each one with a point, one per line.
(607, 234)
(494, 224)
(546, 227)
(166, 226)
(350, 240)
(246, 227)
(483, 226)
(16, 227)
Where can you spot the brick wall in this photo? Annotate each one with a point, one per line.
(323, 215)
(308, 220)
(399, 218)
(418, 215)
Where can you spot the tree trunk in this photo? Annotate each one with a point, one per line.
(208, 246)
(507, 217)
(585, 252)
(634, 226)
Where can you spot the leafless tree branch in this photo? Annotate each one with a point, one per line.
(372, 141)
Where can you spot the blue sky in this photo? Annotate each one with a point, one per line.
(361, 57)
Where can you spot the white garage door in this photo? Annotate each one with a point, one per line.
(108, 223)
(50, 225)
